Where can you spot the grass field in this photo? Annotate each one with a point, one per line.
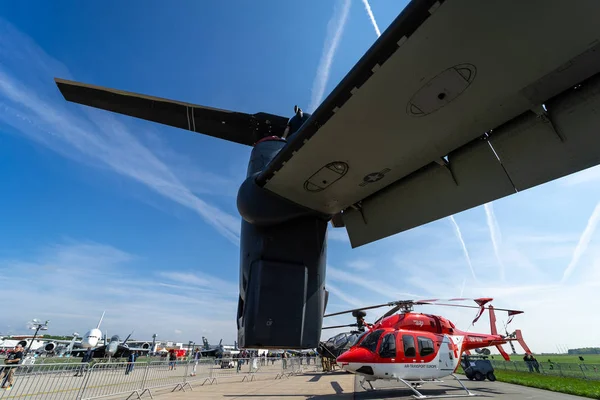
(578, 387)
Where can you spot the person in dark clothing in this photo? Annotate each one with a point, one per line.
(534, 363)
(130, 362)
(11, 362)
(296, 122)
(528, 360)
(172, 359)
(87, 358)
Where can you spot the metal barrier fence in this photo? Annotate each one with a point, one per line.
(103, 380)
(572, 370)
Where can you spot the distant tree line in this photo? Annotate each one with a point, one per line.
(585, 350)
(56, 337)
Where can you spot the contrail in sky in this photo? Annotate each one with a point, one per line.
(32, 106)
(335, 28)
(464, 246)
(584, 241)
(372, 17)
(495, 235)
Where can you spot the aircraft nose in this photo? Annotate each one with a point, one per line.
(358, 355)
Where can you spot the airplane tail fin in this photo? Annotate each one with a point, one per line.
(101, 318)
(127, 338)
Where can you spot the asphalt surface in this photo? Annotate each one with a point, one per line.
(485, 389)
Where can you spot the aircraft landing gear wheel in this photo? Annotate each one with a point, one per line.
(491, 377)
(479, 376)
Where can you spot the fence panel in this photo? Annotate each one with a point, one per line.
(113, 378)
(56, 381)
(571, 370)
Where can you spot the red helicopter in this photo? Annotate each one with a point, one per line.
(414, 348)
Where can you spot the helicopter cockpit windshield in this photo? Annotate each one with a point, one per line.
(370, 342)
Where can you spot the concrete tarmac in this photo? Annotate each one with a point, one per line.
(319, 386)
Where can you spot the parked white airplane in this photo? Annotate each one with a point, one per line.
(89, 340)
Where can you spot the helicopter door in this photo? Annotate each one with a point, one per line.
(387, 349)
(409, 350)
(447, 362)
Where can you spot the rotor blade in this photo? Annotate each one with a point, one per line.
(339, 326)
(466, 306)
(387, 314)
(233, 126)
(359, 309)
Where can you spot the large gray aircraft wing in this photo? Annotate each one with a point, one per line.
(447, 111)
(234, 126)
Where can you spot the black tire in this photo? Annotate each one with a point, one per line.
(479, 376)
(469, 376)
(491, 377)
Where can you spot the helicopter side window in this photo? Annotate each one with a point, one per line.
(370, 342)
(388, 346)
(425, 346)
(409, 346)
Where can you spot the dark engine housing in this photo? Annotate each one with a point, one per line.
(282, 265)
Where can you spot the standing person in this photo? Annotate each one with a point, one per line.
(87, 358)
(172, 359)
(130, 362)
(11, 362)
(535, 363)
(527, 358)
(196, 359)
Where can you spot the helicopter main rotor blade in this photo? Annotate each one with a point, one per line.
(360, 309)
(340, 326)
(233, 126)
(466, 306)
(387, 314)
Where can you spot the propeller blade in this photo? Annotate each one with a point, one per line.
(237, 127)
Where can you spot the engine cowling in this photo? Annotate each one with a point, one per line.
(146, 346)
(49, 346)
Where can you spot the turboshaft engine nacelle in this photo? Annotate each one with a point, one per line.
(282, 264)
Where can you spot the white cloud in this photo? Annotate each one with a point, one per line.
(335, 28)
(495, 235)
(338, 234)
(360, 265)
(32, 105)
(72, 283)
(584, 241)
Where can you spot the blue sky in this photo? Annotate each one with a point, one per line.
(101, 211)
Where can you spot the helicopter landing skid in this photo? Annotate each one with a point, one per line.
(418, 395)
